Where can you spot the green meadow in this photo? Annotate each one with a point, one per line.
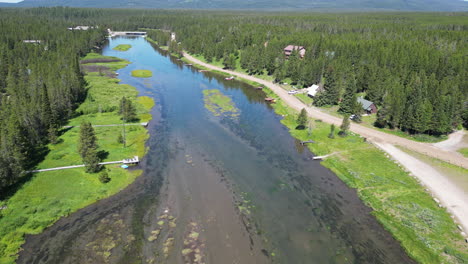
(48, 196)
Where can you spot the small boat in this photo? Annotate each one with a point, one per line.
(188, 64)
(270, 100)
(259, 88)
(229, 78)
(124, 166)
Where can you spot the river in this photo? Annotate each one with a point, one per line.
(216, 189)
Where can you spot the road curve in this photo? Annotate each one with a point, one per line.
(370, 133)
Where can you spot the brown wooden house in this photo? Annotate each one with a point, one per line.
(290, 48)
(368, 106)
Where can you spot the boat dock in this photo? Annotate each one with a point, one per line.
(134, 160)
(306, 142)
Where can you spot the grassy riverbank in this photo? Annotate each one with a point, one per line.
(402, 206)
(333, 110)
(425, 230)
(48, 196)
(123, 47)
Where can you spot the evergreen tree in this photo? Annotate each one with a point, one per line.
(349, 103)
(127, 110)
(332, 131)
(344, 126)
(331, 93)
(87, 147)
(104, 177)
(302, 119)
(229, 61)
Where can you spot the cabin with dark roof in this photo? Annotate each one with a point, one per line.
(368, 106)
(290, 48)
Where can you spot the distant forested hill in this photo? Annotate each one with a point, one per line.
(408, 5)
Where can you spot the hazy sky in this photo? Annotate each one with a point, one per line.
(10, 1)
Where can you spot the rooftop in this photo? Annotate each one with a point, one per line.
(365, 103)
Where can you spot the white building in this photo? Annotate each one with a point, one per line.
(312, 90)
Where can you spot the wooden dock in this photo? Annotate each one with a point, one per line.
(134, 160)
(307, 142)
(144, 124)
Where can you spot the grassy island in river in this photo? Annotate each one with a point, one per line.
(123, 47)
(142, 73)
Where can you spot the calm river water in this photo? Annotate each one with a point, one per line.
(216, 189)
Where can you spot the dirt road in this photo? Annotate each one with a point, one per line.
(369, 133)
(455, 142)
(451, 196)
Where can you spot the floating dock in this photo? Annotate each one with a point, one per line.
(306, 142)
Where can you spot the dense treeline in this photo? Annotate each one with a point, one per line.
(40, 84)
(414, 70)
(413, 66)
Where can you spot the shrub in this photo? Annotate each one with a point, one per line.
(104, 177)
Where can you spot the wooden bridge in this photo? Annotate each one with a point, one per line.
(134, 160)
(126, 33)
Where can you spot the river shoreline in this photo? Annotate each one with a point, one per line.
(78, 189)
(305, 207)
(366, 199)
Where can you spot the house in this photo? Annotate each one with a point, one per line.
(32, 41)
(290, 48)
(80, 28)
(368, 106)
(313, 90)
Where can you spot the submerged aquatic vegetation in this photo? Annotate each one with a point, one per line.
(167, 246)
(192, 251)
(154, 235)
(219, 104)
